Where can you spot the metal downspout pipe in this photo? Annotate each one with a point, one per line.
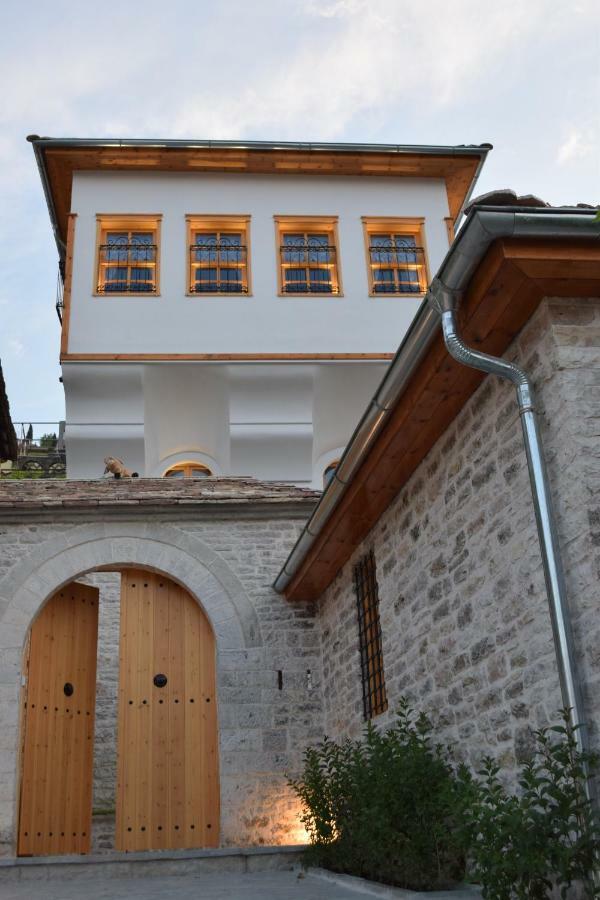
(544, 515)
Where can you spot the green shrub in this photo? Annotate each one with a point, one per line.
(545, 837)
(385, 807)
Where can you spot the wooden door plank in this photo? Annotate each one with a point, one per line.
(57, 760)
(168, 757)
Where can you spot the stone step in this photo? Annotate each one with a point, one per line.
(159, 863)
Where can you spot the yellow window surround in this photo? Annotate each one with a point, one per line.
(218, 255)
(127, 255)
(396, 256)
(308, 257)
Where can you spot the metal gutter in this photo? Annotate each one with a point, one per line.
(40, 144)
(483, 225)
(324, 147)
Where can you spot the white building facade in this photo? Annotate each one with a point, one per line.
(231, 309)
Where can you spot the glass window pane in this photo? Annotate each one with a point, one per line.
(206, 280)
(207, 244)
(383, 281)
(115, 279)
(295, 248)
(318, 248)
(231, 279)
(320, 280)
(231, 245)
(141, 279)
(142, 249)
(116, 251)
(175, 473)
(295, 281)
(381, 248)
(409, 281)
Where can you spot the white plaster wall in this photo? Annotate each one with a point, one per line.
(186, 413)
(263, 322)
(272, 422)
(104, 417)
(341, 395)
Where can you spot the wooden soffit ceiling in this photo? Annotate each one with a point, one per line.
(458, 170)
(512, 279)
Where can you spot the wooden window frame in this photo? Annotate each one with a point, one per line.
(185, 466)
(366, 590)
(211, 222)
(330, 467)
(106, 222)
(396, 226)
(295, 224)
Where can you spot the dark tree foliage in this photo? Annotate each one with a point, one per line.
(8, 438)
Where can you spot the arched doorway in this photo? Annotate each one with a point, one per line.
(168, 783)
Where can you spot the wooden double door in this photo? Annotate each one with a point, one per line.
(167, 793)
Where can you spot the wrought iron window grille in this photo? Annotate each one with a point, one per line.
(397, 266)
(218, 267)
(60, 300)
(308, 266)
(369, 633)
(127, 268)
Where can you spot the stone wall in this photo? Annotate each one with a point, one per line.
(263, 729)
(464, 615)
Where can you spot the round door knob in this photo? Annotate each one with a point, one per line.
(160, 680)
(68, 689)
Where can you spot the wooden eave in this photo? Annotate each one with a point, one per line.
(510, 282)
(458, 171)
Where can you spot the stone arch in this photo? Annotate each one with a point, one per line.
(109, 545)
(162, 548)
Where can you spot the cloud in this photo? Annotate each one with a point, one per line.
(577, 145)
(16, 347)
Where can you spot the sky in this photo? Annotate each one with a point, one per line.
(523, 75)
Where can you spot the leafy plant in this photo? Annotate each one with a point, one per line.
(526, 845)
(385, 807)
(48, 441)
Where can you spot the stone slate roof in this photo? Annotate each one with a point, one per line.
(158, 493)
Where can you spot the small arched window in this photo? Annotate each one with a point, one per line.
(188, 470)
(330, 472)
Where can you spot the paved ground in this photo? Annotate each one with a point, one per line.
(258, 886)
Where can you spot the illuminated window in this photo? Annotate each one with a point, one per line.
(369, 634)
(218, 255)
(188, 470)
(127, 254)
(330, 472)
(395, 256)
(308, 255)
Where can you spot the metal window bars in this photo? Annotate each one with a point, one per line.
(369, 633)
(308, 264)
(60, 300)
(218, 265)
(397, 265)
(127, 264)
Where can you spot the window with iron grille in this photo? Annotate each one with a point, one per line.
(308, 255)
(369, 633)
(127, 255)
(218, 255)
(395, 256)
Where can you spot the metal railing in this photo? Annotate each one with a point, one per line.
(397, 267)
(218, 267)
(40, 451)
(308, 267)
(127, 268)
(60, 300)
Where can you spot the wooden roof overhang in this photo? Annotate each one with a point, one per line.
(508, 285)
(58, 159)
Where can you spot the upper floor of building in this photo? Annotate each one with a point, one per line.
(218, 251)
